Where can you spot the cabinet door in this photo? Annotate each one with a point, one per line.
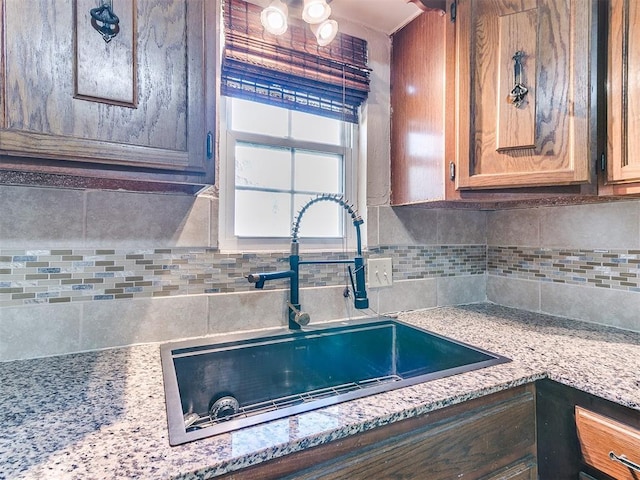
(418, 94)
(540, 138)
(623, 125)
(136, 101)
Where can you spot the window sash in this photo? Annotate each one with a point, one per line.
(228, 240)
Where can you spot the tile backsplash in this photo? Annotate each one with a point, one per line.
(576, 261)
(76, 274)
(79, 275)
(615, 269)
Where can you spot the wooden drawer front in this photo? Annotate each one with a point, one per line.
(599, 435)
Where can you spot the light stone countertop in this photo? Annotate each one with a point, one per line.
(101, 415)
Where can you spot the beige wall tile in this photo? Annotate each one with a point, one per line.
(607, 225)
(195, 229)
(126, 322)
(41, 217)
(513, 292)
(461, 290)
(407, 226)
(214, 221)
(519, 227)
(39, 331)
(462, 227)
(229, 312)
(598, 305)
(328, 303)
(373, 227)
(408, 295)
(118, 219)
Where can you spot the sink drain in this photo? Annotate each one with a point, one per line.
(223, 407)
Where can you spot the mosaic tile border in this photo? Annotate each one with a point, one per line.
(615, 269)
(415, 262)
(75, 275)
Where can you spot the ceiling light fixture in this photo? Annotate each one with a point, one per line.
(314, 12)
(325, 32)
(274, 17)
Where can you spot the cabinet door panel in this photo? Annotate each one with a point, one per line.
(623, 126)
(543, 139)
(418, 110)
(50, 110)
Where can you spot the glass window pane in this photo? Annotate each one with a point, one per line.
(252, 117)
(313, 128)
(262, 214)
(318, 172)
(322, 219)
(262, 166)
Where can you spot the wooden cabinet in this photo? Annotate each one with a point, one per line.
(456, 134)
(623, 110)
(487, 438)
(560, 447)
(546, 137)
(137, 107)
(607, 445)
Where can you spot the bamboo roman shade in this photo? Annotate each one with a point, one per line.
(292, 70)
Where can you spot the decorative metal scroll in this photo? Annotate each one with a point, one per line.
(519, 91)
(105, 21)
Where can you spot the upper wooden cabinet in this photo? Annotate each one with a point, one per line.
(546, 136)
(623, 109)
(422, 118)
(134, 107)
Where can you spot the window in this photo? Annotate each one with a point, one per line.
(276, 161)
(290, 116)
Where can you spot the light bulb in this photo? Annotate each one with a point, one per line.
(325, 32)
(274, 17)
(315, 11)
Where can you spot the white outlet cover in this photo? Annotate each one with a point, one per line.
(379, 272)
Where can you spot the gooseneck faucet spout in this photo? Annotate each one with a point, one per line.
(296, 317)
(260, 278)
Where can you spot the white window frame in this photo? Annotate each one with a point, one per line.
(228, 241)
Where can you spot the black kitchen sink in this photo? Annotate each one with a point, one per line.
(237, 381)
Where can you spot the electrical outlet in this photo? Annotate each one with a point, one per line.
(379, 272)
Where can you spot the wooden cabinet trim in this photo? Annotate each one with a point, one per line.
(20, 143)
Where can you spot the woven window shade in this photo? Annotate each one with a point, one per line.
(292, 70)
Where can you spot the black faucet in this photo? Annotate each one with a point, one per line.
(295, 316)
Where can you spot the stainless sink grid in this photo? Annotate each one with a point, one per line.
(292, 400)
